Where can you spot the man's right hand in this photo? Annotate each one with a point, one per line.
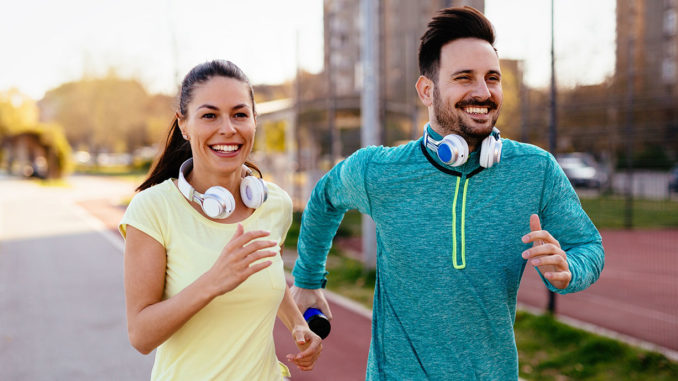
(306, 298)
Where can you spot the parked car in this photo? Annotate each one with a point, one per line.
(582, 170)
(673, 179)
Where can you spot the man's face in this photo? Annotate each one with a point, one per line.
(467, 96)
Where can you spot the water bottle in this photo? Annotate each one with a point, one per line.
(317, 322)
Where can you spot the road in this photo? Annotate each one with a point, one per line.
(61, 291)
(61, 300)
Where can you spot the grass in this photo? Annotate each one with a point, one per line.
(548, 349)
(608, 212)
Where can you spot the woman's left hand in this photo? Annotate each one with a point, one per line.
(309, 344)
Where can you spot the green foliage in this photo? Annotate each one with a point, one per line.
(108, 114)
(650, 157)
(608, 212)
(52, 136)
(350, 227)
(550, 350)
(19, 115)
(16, 112)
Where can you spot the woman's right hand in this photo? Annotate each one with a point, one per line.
(233, 265)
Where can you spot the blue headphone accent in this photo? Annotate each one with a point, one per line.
(453, 149)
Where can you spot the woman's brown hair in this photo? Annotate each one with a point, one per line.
(177, 149)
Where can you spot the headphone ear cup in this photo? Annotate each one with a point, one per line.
(453, 150)
(253, 191)
(218, 202)
(490, 151)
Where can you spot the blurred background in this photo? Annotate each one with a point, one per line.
(93, 84)
(89, 88)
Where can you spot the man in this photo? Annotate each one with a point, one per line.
(458, 216)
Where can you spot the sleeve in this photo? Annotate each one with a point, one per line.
(286, 219)
(143, 213)
(341, 189)
(564, 218)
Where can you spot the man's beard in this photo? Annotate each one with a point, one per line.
(454, 124)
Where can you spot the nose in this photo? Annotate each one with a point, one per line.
(226, 127)
(481, 91)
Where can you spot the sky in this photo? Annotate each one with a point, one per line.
(46, 43)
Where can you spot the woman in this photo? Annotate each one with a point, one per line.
(203, 274)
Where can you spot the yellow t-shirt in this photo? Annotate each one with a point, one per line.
(232, 337)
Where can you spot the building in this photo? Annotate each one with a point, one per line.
(646, 76)
(402, 22)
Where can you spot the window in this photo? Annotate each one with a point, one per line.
(670, 22)
(669, 71)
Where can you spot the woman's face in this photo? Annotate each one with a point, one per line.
(220, 125)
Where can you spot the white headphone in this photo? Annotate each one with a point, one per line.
(453, 149)
(218, 202)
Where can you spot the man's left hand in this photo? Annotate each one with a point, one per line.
(547, 255)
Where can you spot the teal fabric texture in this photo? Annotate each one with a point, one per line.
(449, 251)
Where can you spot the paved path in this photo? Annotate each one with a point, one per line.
(61, 300)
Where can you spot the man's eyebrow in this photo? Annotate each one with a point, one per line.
(469, 71)
(465, 71)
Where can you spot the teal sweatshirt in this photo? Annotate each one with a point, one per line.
(448, 252)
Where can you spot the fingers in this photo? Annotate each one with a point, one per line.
(545, 255)
(240, 238)
(311, 348)
(538, 236)
(255, 268)
(324, 306)
(559, 279)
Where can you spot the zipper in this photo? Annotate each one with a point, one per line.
(462, 250)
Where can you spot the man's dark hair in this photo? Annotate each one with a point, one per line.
(447, 25)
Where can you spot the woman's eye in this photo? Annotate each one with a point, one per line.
(240, 115)
(209, 115)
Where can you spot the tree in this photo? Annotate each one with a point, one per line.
(108, 114)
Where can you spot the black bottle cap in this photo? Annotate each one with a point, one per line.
(319, 325)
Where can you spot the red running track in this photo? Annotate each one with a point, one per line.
(637, 293)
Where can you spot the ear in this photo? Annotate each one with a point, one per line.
(180, 122)
(425, 90)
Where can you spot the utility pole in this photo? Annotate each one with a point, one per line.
(296, 187)
(369, 107)
(630, 79)
(335, 142)
(553, 142)
(524, 136)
